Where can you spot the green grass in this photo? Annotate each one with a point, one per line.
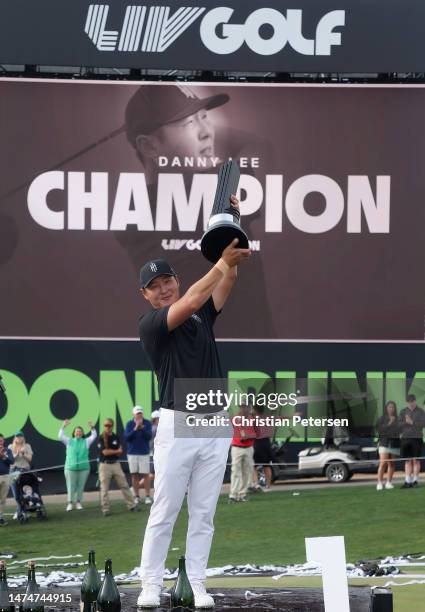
(268, 529)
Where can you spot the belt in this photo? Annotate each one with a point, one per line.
(108, 461)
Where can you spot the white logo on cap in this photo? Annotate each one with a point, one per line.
(187, 91)
(153, 267)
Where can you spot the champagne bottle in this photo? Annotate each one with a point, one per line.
(6, 604)
(32, 602)
(109, 599)
(90, 586)
(181, 593)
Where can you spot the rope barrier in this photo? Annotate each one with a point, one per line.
(271, 464)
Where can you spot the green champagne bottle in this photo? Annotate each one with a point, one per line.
(32, 602)
(109, 599)
(181, 593)
(6, 604)
(90, 586)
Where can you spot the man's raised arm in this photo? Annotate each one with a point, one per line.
(195, 297)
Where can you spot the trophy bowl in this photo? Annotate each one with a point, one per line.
(224, 223)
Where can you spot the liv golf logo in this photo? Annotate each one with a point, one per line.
(154, 29)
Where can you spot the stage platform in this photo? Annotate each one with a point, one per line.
(234, 600)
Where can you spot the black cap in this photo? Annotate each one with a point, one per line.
(153, 269)
(155, 105)
(411, 398)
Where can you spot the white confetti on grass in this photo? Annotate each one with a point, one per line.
(62, 578)
(398, 584)
(78, 556)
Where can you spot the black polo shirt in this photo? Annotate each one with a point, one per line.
(189, 351)
(112, 443)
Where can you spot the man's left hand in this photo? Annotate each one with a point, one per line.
(234, 201)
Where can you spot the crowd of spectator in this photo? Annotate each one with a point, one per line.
(16, 458)
(399, 436)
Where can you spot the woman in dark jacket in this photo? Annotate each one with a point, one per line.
(388, 430)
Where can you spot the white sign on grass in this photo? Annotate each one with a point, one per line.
(330, 554)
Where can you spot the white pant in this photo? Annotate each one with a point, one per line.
(195, 465)
(242, 468)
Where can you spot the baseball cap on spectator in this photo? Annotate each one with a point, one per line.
(137, 410)
(155, 414)
(411, 398)
(153, 106)
(19, 433)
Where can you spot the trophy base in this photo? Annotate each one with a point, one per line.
(218, 237)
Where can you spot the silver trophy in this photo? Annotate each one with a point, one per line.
(224, 223)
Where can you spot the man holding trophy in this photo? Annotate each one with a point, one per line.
(177, 335)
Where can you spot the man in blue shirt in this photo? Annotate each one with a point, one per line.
(137, 433)
(6, 460)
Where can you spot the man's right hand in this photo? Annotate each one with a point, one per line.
(196, 296)
(232, 256)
